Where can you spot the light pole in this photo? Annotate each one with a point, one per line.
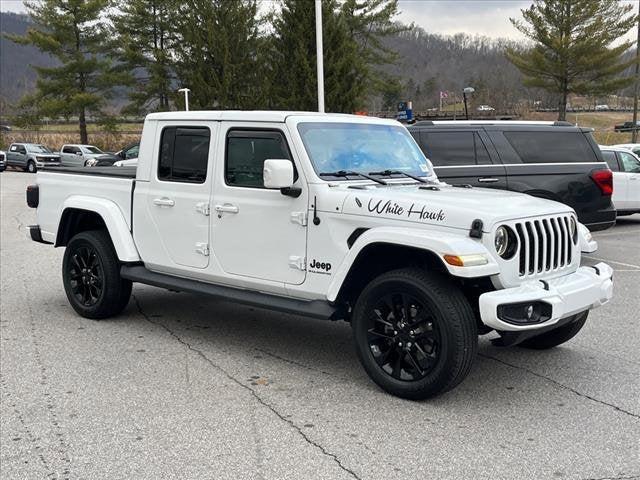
(465, 91)
(636, 88)
(319, 56)
(186, 97)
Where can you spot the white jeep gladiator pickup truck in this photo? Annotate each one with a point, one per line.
(325, 216)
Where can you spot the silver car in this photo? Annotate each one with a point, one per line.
(31, 156)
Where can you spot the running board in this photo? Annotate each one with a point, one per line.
(313, 308)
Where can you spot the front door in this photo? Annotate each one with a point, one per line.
(258, 233)
(174, 232)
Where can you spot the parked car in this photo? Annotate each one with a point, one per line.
(78, 155)
(602, 108)
(31, 156)
(626, 178)
(626, 127)
(327, 216)
(5, 128)
(486, 108)
(634, 147)
(132, 162)
(3, 161)
(128, 152)
(557, 161)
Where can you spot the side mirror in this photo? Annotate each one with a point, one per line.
(277, 174)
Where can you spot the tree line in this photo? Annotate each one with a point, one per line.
(234, 55)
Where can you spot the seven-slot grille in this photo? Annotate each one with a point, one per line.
(545, 245)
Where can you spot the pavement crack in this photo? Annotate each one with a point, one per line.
(258, 398)
(293, 362)
(620, 477)
(562, 386)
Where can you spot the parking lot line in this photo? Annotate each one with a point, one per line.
(635, 267)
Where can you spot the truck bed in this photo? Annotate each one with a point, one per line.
(81, 188)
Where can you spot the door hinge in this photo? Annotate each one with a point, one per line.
(203, 208)
(299, 217)
(202, 249)
(299, 263)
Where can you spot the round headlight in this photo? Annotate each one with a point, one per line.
(501, 241)
(506, 242)
(573, 227)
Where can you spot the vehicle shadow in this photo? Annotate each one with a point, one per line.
(324, 347)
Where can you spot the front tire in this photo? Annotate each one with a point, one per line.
(415, 333)
(91, 276)
(557, 336)
(31, 167)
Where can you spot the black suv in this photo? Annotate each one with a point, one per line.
(557, 161)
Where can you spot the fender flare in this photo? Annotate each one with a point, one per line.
(436, 242)
(114, 220)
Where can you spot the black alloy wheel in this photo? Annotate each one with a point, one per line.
(404, 337)
(91, 276)
(86, 276)
(414, 332)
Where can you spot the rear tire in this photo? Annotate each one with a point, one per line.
(91, 276)
(415, 333)
(31, 167)
(557, 336)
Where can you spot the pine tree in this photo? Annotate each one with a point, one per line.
(69, 30)
(573, 52)
(352, 32)
(218, 53)
(144, 33)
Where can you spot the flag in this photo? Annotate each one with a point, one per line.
(444, 94)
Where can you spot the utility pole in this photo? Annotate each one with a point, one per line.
(634, 127)
(319, 55)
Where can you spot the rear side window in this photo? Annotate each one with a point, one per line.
(454, 148)
(551, 147)
(246, 152)
(184, 152)
(629, 162)
(610, 158)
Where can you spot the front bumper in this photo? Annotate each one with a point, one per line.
(585, 289)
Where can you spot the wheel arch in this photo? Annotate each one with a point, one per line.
(82, 214)
(383, 249)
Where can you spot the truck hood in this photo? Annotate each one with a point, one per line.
(445, 205)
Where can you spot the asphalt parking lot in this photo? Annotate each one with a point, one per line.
(184, 387)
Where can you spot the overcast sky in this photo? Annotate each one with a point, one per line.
(481, 17)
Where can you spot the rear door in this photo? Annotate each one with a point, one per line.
(463, 156)
(555, 162)
(630, 169)
(172, 230)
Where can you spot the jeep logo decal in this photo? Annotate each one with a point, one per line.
(320, 267)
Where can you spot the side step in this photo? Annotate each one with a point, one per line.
(314, 308)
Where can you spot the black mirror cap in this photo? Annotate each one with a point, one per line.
(294, 192)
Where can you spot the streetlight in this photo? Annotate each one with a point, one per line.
(186, 97)
(467, 90)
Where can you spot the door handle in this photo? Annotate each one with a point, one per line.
(226, 208)
(488, 180)
(164, 202)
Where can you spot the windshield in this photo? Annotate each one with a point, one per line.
(91, 149)
(38, 149)
(364, 148)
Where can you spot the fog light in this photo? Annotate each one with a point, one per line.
(525, 312)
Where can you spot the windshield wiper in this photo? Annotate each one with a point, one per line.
(388, 173)
(346, 173)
